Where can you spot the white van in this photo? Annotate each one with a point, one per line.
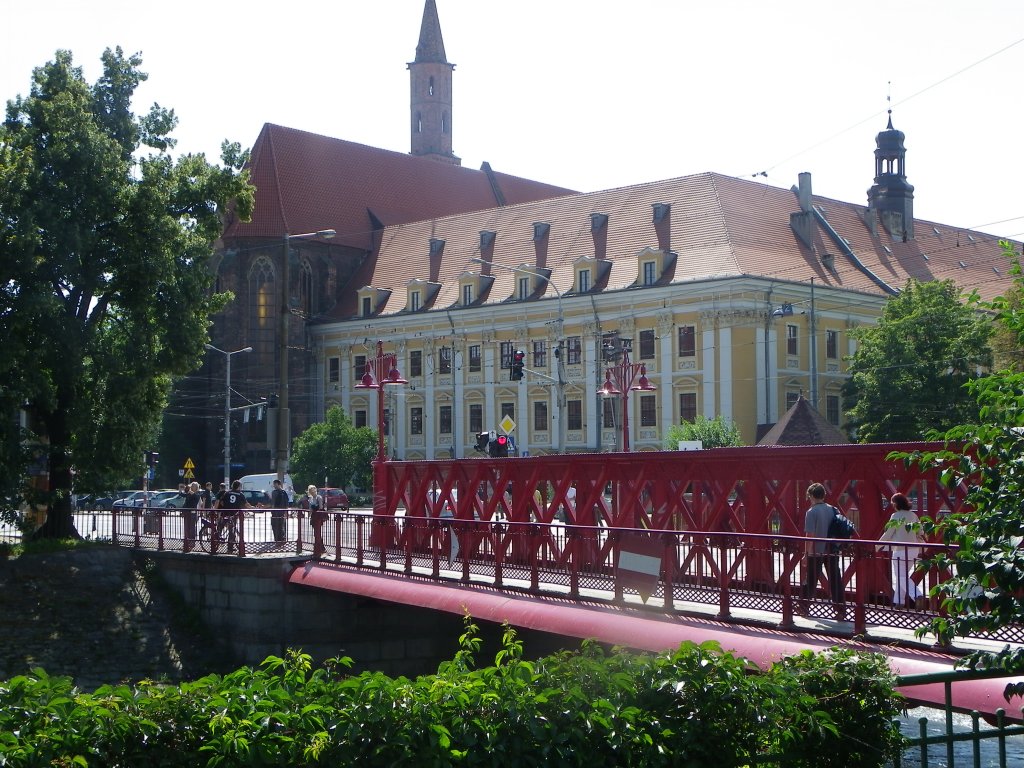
(265, 482)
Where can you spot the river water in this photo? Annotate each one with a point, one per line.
(963, 752)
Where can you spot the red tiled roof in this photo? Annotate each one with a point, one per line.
(306, 182)
(719, 226)
(803, 425)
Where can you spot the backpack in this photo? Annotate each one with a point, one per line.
(840, 527)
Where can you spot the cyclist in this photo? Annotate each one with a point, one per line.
(231, 505)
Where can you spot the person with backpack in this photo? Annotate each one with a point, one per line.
(819, 552)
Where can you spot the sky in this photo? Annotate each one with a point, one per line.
(593, 94)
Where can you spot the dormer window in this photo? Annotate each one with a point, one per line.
(415, 301)
(583, 280)
(652, 264)
(467, 294)
(372, 300)
(524, 288)
(650, 272)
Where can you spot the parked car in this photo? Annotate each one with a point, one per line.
(167, 499)
(129, 500)
(335, 498)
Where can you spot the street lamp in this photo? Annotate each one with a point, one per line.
(281, 453)
(619, 380)
(560, 381)
(227, 409)
(380, 371)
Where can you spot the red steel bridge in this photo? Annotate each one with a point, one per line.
(643, 550)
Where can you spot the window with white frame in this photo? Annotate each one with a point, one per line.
(444, 419)
(414, 301)
(507, 350)
(647, 344)
(416, 420)
(687, 341)
(584, 280)
(444, 356)
(540, 416)
(467, 294)
(416, 363)
(608, 412)
(474, 358)
(648, 411)
(573, 350)
(540, 354)
(508, 409)
(792, 340)
(650, 272)
(367, 306)
(574, 414)
(476, 418)
(524, 288)
(359, 367)
(333, 370)
(687, 407)
(359, 418)
(832, 344)
(832, 409)
(791, 398)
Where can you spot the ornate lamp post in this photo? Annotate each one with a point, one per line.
(380, 371)
(619, 380)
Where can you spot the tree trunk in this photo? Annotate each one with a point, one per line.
(60, 522)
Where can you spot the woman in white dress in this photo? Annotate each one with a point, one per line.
(903, 531)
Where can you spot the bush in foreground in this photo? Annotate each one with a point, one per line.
(696, 706)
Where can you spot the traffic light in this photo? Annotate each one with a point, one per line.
(516, 374)
(152, 458)
(499, 447)
(482, 441)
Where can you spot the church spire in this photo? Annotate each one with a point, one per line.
(430, 76)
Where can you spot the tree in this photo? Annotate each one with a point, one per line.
(336, 450)
(909, 371)
(986, 590)
(106, 242)
(718, 432)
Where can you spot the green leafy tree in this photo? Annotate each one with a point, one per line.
(986, 590)
(105, 246)
(336, 450)
(718, 432)
(908, 373)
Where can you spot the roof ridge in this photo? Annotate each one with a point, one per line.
(269, 128)
(713, 177)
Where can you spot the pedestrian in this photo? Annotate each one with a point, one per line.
(314, 502)
(904, 526)
(189, 512)
(278, 511)
(208, 496)
(231, 504)
(818, 552)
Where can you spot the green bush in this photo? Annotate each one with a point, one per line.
(696, 706)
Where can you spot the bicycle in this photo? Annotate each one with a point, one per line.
(212, 529)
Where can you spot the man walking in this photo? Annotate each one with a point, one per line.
(231, 505)
(278, 511)
(818, 554)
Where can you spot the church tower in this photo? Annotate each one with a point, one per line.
(891, 195)
(431, 92)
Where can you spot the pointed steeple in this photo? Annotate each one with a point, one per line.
(431, 92)
(892, 196)
(431, 45)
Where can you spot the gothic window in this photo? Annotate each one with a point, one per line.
(306, 287)
(262, 315)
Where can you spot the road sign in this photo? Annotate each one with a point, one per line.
(507, 424)
(187, 471)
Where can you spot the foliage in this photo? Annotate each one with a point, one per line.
(105, 248)
(908, 373)
(986, 458)
(335, 449)
(718, 432)
(696, 706)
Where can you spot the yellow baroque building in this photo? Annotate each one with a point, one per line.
(736, 297)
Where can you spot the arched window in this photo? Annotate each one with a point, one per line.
(306, 288)
(262, 306)
(418, 123)
(444, 122)
(430, 87)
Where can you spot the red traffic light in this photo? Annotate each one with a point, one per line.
(502, 440)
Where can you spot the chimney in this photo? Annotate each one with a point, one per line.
(804, 194)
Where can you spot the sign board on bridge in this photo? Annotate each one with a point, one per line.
(691, 445)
